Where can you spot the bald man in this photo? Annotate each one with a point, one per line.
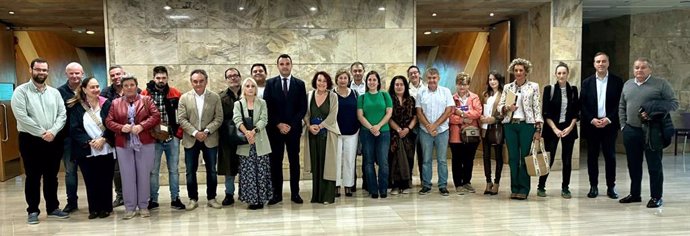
(74, 73)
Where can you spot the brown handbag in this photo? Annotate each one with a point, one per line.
(494, 134)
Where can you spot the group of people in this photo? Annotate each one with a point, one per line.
(118, 134)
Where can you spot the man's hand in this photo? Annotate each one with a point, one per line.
(48, 136)
(284, 128)
(201, 136)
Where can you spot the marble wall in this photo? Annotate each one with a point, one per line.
(218, 34)
(664, 37)
(531, 39)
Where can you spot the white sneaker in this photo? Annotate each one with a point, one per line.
(193, 204)
(395, 191)
(144, 213)
(129, 215)
(214, 204)
(469, 188)
(406, 191)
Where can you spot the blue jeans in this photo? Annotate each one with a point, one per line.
(71, 179)
(191, 156)
(172, 157)
(375, 149)
(440, 143)
(229, 185)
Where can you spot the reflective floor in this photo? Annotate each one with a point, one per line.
(406, 214)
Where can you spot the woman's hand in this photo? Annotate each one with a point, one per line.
(126, 128)
(314, 129)
(137, 129)
(97, 143)
(537, 136)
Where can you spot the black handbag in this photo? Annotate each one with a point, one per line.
(248, 125)
(494, 134)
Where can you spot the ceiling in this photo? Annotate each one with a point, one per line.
(71, 18)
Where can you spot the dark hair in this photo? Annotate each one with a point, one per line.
(231, 68)
(412, 66)
(114, 67)
(258, 64)
(80, 95)
(562, 64)
(283, 56)
(601, 53)
(357, 63)
(378, 78)
(391, 89)
(341, 72)
(129, 77)
(37, 60)
(159, 70)
(501, 81)
(329, 80)
(199, 71)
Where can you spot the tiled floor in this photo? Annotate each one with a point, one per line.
(409, 214)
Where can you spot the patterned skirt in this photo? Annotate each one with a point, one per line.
(255, 178)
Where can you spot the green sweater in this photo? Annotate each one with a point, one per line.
(374, 107)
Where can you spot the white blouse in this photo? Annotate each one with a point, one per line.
(95, 132)
(488, 108)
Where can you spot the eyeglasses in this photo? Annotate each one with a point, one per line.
(232, 77)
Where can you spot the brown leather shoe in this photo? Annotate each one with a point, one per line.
(494, 189)
(513, 196)
(487, 191)
(521, 196)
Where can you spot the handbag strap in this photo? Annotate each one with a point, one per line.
(93, 116)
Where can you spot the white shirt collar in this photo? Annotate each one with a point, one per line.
(641, 83)
(197, 95)
(606, 77)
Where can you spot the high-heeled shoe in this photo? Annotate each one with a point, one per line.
(494, 189)
(337, 191)
(348, 191)
(487, 191)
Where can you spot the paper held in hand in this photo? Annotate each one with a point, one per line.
(511, 98)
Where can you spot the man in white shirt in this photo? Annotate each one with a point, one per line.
(434, 106)
(357, 84)
(40, 114)
(200, 115)
(259, 72)
(416, 84)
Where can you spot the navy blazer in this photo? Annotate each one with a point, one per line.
(80, 139)
(589, 101)
(288, 109)
(551, 107)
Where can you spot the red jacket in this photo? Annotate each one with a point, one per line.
(147, 115)
(473, 113)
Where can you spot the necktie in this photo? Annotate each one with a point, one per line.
(285, 87)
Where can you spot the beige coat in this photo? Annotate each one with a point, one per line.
(211, 118)
(263, 146)
(331, 124)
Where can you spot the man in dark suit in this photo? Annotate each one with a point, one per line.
(286, 100)
(599, 98)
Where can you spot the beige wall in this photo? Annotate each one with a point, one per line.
(532, 35)
(218, 36)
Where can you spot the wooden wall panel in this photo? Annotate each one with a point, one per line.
(7, 64)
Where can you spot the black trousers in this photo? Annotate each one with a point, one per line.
(498, 153)
(636, 149)
(462, 162)
(602, 140)
(279, 143)
(41, 160)
(98, 177)
(567, 143)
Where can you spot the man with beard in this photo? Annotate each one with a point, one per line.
(40, 114)
(357, 71)
(228, 162)
(258, 72)
(166, 99)
(74, 72)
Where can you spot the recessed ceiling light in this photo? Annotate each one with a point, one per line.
(433, 14)
(167, 8)
(240, 8)
(312, 9)
(427, 32)
(11, 13)
(382, 8)
(90, 32)
(179, 17)
(491, 14)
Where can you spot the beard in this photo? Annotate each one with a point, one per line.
(39, 78)
(161, 85)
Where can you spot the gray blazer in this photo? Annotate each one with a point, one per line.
(263, 147)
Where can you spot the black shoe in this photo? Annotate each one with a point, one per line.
(425, 191)
(274, 201)
(630, 198)
(70, 208)
(611, 192)
(297, 199)
(444, 191)
(93, 215)
(337, 191)
(384, 195)
(177, 204)
(229, 200)
(655, 202)
(118, 202)
(153, 205)
(593, 192)
(375, 196)
(103, 214)
(348, 191)
(255, 206)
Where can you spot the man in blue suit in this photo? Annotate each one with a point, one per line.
(286, 100)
